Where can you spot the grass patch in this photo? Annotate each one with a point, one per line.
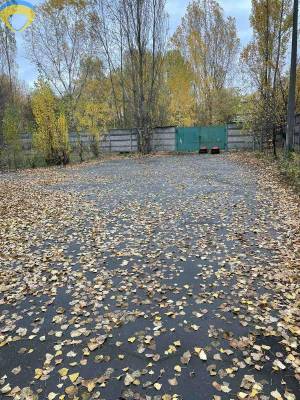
(286, 167)
(290, 168)
(30, 159)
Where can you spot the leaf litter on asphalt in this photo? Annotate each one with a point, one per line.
(175, 278)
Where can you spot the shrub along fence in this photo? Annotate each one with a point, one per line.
(84, 146)
(116, 140)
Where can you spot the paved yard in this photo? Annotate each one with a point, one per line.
(156, 278)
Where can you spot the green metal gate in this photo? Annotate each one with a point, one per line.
(191, 139)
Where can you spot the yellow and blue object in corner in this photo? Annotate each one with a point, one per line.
(17, 7)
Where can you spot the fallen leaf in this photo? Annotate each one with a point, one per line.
(276, 395)
(63, 371)
(71, 390)
(157, 386)
(73, 377)
(242, 395)
(173, 382)
(186, 357)
(177, 368)
(21, 332)
(201, 353)
(6, 389)
(128, 380)
(16, 370)
(90, 384)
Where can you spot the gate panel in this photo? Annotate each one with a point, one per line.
(188, 139)
(214, 136)
(191, 139)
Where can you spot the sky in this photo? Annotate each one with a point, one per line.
(240, 9)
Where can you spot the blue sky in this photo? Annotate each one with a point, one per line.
(240, 9)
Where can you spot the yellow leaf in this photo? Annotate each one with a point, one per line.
(132, 339)
(195, 327)
(63, 371)
(6, 389)
(52, 396)
(276, 395)
(128, 380)
(202, 355)
(89, 384)
(71, 390)
(157, 386)
(225, 389)
(177, 368)
(38, 373)
(289, 396)
(74, 377)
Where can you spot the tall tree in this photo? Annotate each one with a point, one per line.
(134, 52)
(264, 59)
(7, 55)
(57, 44)
(209, 42)
(7, 72)
(293, 78)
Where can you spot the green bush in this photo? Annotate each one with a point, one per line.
(11, 135)
(290, 168)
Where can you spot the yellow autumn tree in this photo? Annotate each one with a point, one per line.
(51, 136)
(92, 118)
(94, 113)
(264, 63)
(63, 138)
(208, 42)
(181, 110)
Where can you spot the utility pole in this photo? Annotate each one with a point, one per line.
(292, 89)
